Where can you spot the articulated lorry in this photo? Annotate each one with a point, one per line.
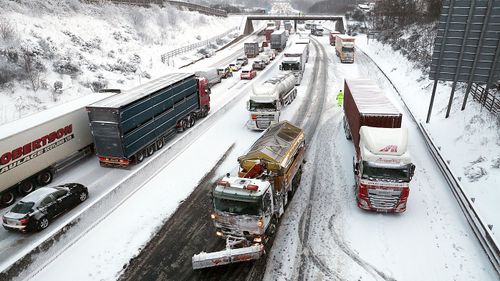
(267, 100)
(382, 164)
(247, 208)
(333, 36)
(278, 40)
(294, 60)
(344, 47)
(251, 49)
(133, 125)
(35, 148)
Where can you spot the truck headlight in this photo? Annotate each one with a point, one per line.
(213, 216)
(219, 233)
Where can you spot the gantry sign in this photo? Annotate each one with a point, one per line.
(339, 20)
(467, 46)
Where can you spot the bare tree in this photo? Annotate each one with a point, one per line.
(31, 71)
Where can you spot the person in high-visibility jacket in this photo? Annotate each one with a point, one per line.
(340, 98)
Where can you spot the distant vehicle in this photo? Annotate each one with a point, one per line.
(235, 66)
(294, 60)
(248, 73)
(251, 49)
(382, 164)
(270, 53)
(344, 48)
(308, 25)
(265, 58)
(224, 72)
(288, 26)
(206, 52)
(211, 74)
(35, 211)
(258, 64)
(278, 40)
(267, 33)
(317, 30)
(35, 148)
(130, 127)
(242, 60)
(268, 99)
(333, 34)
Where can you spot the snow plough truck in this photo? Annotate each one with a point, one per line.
(247, 207)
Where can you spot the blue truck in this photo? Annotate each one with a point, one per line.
(135, 123)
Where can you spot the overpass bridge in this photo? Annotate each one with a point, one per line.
(339, 20)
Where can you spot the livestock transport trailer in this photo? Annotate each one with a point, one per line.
(33, 149)
(131, 126)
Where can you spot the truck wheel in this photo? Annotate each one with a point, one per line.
(7, 198)
(26, 187)
(44, 177)
(181, 125)
(150, 150)
(159, 144)
(193, 119)
(139, 157)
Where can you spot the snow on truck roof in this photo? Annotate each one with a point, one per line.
(36, 119)
(385, 145)
(369, 98)
(275, 147)
(389, 141)
(131, 95)
(297, 49)
(238, 187)
(278, 32)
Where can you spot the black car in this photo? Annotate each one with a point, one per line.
(35, 211)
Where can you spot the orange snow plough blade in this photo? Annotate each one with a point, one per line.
(227, 256)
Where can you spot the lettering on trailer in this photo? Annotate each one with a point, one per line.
(389, 148)
(16, 157)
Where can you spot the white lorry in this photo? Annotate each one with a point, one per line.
(34, 148)
(294, 60)
(247, 207)
(267, 100)
(344, 47)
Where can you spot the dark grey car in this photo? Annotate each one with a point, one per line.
(35, 211)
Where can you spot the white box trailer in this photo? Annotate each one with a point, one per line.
(34, 148)
(295, 59)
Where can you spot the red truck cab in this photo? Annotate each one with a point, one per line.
(332, 37)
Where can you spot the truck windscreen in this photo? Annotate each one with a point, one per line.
(290, 66)
(347, 50)
(237, 207)
(255, 106)
(400, 174)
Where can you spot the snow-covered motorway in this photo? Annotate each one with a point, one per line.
(323, 236)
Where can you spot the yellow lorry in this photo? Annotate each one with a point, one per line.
(247, 208)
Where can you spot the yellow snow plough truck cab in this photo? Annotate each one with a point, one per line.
(247, 207)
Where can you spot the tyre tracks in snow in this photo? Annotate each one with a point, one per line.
(308, 256)
(307, 253)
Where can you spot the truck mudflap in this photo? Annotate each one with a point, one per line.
(229, 255)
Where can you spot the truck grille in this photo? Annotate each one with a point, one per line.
(264, 121)
(383, 198)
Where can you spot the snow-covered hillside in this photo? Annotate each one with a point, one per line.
(55, 51)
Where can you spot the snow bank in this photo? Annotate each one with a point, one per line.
(54, 51)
